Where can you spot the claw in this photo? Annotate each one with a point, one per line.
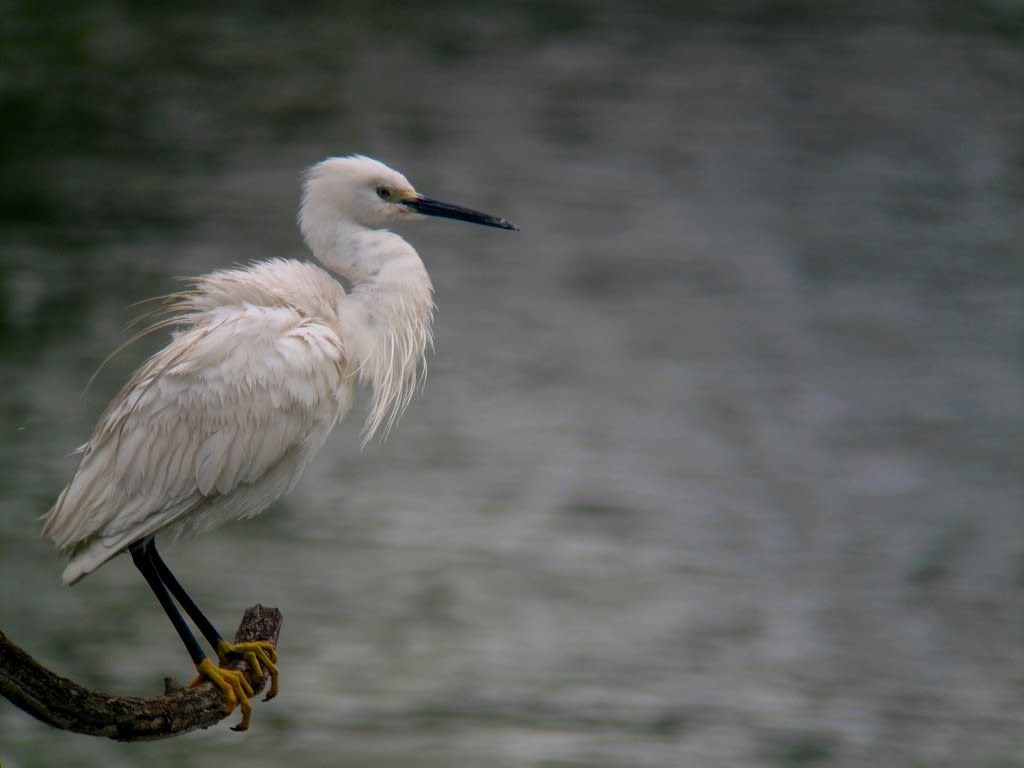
(234, 685)
(260, 655)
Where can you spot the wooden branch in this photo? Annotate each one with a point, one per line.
(64, 704)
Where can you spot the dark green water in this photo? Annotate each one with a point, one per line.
(719, 459)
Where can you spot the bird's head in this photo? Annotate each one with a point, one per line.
(370, 194)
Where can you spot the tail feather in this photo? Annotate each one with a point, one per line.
(89, 556)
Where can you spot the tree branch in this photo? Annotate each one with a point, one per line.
(64, 704)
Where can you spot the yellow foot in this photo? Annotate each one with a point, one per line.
(236, 688)
(260, 655)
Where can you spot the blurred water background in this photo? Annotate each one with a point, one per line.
(719, 462)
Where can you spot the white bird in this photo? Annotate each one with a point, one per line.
(263, 362)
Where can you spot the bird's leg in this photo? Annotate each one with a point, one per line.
(233, 683)
(260, 655)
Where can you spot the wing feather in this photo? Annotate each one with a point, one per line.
(217, 409)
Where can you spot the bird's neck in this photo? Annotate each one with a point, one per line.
(387, 316)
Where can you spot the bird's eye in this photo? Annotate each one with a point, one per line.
(383, 193)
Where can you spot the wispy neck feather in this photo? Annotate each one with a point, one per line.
(387, 318)
(401, 310)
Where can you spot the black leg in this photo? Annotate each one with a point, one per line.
(202, 623)
(140, 554)
(236, 688)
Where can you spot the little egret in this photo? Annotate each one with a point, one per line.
(263, 362)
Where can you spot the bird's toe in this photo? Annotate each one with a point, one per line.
(233, 684)
(260, 655)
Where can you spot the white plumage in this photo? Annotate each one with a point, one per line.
(263, 363)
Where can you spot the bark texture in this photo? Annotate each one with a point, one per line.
(64, 704)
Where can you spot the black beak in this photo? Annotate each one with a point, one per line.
(430, 207)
